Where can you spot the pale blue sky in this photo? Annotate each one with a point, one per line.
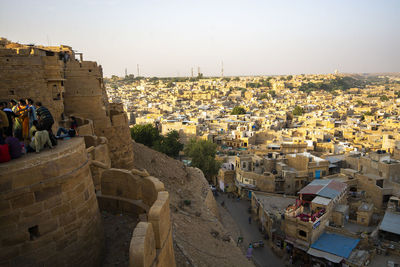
(168, 37)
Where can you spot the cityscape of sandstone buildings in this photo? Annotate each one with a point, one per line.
(51, 202)
(329, 175)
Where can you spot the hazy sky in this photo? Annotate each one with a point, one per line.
(169, 37)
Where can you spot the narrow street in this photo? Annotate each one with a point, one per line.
(263, 257)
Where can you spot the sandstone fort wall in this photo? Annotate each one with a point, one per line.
(49, 210)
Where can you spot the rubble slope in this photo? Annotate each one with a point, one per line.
(199, 237)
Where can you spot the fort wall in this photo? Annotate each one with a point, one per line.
(49, 202)
(49, 211)
(151, 243)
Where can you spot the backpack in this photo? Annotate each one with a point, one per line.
(4, 153)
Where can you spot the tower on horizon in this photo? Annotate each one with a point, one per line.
(138, 73)
(222, 68)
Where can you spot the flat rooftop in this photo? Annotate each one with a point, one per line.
(273, 203)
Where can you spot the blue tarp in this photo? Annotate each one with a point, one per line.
(336, 244)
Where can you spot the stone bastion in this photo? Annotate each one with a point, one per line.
(49, 210)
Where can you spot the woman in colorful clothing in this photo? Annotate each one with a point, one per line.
(17, 130)
(31, 112)
(22, 113)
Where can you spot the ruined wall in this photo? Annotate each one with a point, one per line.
(49, 211)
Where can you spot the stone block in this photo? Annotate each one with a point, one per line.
(32, 210)
(15, 239)
(23, 200)
(67, 218)
(59, 210)
(48, 226)
(8, 253)
(47, 193)
(160, 219)
(142, 251)
(52, 202)
(10, 218)
(4, 206)
(151, 187)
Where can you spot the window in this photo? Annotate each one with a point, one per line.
(34, 232)
(302, 233)
(56, 93)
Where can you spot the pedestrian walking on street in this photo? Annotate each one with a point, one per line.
(249, 219)
(249, 253)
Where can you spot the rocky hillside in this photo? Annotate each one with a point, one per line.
(199, 237)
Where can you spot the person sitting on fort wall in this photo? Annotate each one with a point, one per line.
(3, 122)
(40, 139)
(14, 146)
(10, 115)
(71, 132)
(33, 129)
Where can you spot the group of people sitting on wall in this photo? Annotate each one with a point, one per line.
(25, 126)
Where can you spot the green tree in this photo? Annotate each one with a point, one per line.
(298, 111)
(272, 93)
(384, 98)
(170, 84)
(238, 110)
(263, 96)
(169, 144)
(145, 134)
(202, 153)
